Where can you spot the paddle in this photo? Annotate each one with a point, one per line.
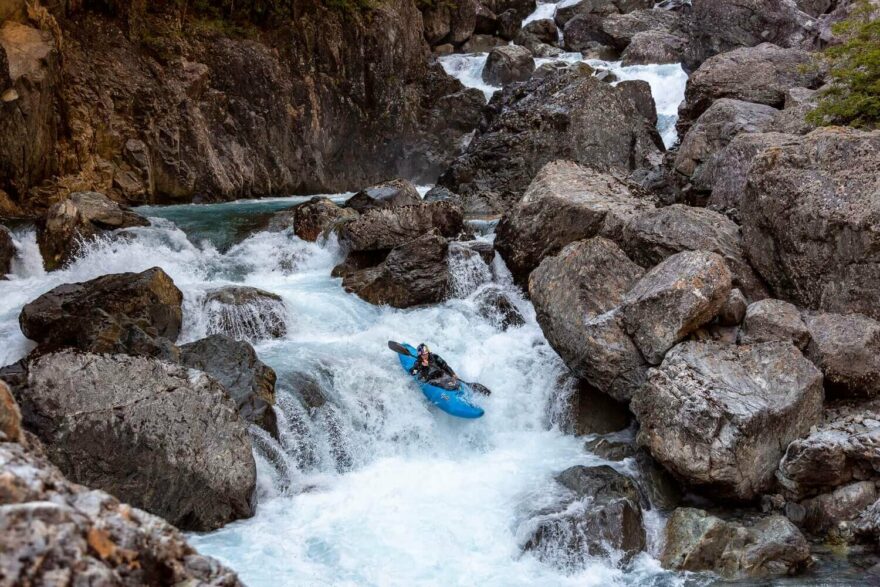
(402, 350)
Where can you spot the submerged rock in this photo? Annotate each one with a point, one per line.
(698, 541)
(386, 228)
(494, 305)
(719, 416)
(388, 194)
(234, 364)
(134, 313)
(53, 531)
(507, 64)
(79, 218)
(245, 313)
(178, 447)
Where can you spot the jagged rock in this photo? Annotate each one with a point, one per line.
(654, 47)
(10, 417)
(847, 351)
(759, 74)
(696, 421)
(81, 217)
(56, 532)
(841, 450)
(494, 305)
(179, 448)
(810, 213)
(245, 313)
(135, 313)
(610, 450)
(697, 541)
(824, 513)
(413, 274)
(716, 128)
(507, 64)
(595, 412)
(673, 299)
(575, 295)
(386, 228)
(577, 201)
(311, 220)
(621, 29)
(388, 194)
(234, 364)
(567, 114)
(655, 235)
(613, 519)
(774, 320)
(868, 523)
(734, 309)
(440, 194)
(7, 252)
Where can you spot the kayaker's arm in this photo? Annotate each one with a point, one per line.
(444, 366)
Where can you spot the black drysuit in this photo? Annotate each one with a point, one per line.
(435, 368)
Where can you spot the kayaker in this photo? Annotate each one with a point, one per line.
(430, 366)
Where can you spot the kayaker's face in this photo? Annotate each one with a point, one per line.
(423, 357)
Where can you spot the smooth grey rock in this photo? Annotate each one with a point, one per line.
(774, 320)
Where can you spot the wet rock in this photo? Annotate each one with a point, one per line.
(673, 299)
(577, 201)
(81, 217)
(734, 309)
(655, 235)
(180, 450)
(311, 220)
(494, 305)
(824, 513)
(507, 64)
(809, 216)
(544, 30)
(698, 541)
(719, 416)
(595, 412)
(357, 260)
(610, 450)
(716, 127)
(566, 114)
(612, 522)
(234, 364)
(10, 417)
(309, 388)
(245, 313)
(663, 491)
(654, 47)
(774, 320)
(413, 274)
(759, 74)
(389, 194)
(575, 295)
(53, 531)
(440, 194)
(7, 252)
(386, 228)
(136, 313)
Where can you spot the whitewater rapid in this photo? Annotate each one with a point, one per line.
(375, 487)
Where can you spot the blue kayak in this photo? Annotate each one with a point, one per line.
(455, 402)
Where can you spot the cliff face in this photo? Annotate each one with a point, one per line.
(152, 106)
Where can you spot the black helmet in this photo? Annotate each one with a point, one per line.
(423, 348)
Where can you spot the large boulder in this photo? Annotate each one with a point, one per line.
(621, 29)
(79, 218)
(811, 220)
(716, 127)
(10, 417)
(234, 364)
(7, 252)
(311, 220)
(840, 451)
(386, 228)
(388, 194)
(655, 235)
(507, 64)
(654, 47)
(575, 294)
(55, 532)
(136, 313)
(759, 74)
(544, 29)
(577, 201)
(612, 521)
(719, 416)
(567, 114)
(698, 541)
(774, 320)
(412, 274)
(846, 348)
(177, 447)
(673, 299)
(824, 513)
(245, 313)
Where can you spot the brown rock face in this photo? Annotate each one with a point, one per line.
(386, 228)
(311, 220)
(7, 252)
(388, 194)
(10, 417)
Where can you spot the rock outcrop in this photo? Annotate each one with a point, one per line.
(234, 364)
(77, 219)
(763, 548)
(719, 416)
(567, 114)
(179, 448)
(133, 313)
(387, 228)
(810, 217)
(245, 313)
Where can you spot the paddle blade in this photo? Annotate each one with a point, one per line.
(480, 388)
(399, 348)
